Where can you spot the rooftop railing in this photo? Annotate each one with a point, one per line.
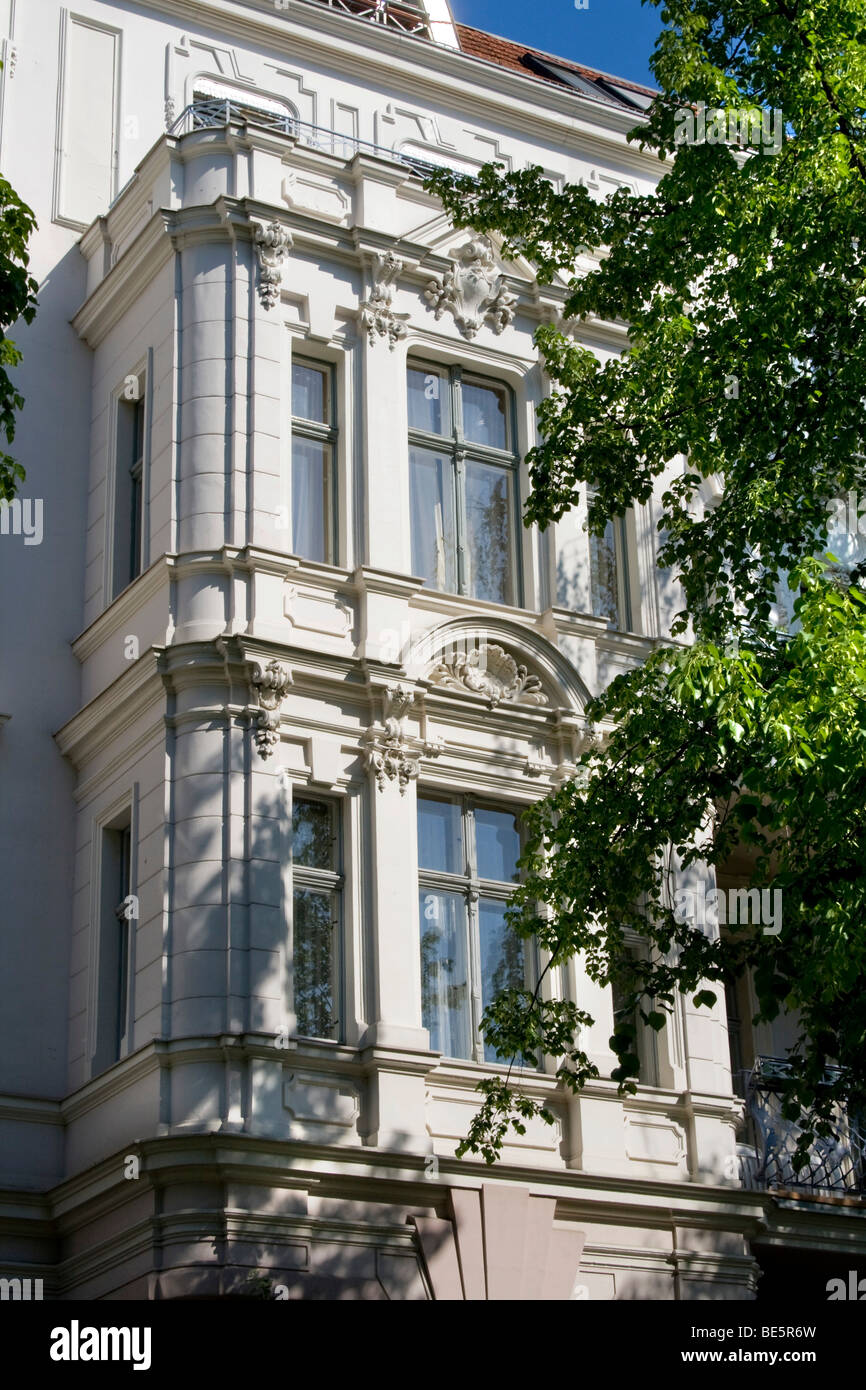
(219, 112)
(836, 1163)
(405, 15)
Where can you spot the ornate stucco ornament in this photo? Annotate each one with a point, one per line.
(389, 751)
(271, 685)
(491, 672)
(473, 290)
(273, 244)
(377, 313)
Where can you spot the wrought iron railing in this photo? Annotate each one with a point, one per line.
(836, 1163)
(405, 15)
(218, 112)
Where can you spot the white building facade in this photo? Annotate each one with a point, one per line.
(282, 669)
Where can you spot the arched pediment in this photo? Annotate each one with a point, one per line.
(499, 662)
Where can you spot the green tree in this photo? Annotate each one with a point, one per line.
(742, 282)
(17, 301)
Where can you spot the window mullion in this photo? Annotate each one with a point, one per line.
(472, 899)
(459, 481)
(458, 458)
(473, 894)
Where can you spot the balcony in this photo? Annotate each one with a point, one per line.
(219, 112)
(405, 15)
(836, 1165)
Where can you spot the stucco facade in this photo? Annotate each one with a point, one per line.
(231, 221)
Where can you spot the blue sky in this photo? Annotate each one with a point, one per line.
(617, 36)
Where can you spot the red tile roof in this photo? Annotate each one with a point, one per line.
(516, 56)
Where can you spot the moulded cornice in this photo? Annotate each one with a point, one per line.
(117, 616)
(111, 712)
(364, 1173)
(126, 280)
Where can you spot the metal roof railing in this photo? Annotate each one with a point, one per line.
(406, 15)
(219, 112)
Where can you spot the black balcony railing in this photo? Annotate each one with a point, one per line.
(217, 112)
(405, 15)
(836, 1163)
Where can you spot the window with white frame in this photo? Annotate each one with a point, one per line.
(314, 442)
(317, 892)
(609, 575)
(467, 856)
(463, 483)
(128, 485)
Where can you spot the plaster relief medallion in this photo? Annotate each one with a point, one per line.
(473, 290)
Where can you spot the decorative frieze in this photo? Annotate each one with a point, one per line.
(377, 313)
(488, 670)
(273, 244)
(473, 290)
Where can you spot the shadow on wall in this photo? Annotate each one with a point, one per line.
(42, 578)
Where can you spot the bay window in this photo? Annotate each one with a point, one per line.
(467, 855)
(463, 483)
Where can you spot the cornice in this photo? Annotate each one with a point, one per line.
(111, 712)
(116, 617)
(365, 1171)
(127, 279)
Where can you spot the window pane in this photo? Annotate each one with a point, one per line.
(445, 973)
(429, 392)
(434, 554)
(489, 533)
(312, 835)
(315, 964)
(485, 414)
(310, 510)
(602, 574)
(502, 958)
(310, 393)
(440, 836)
(497, 845)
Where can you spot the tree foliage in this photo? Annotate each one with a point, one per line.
(742, 282)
